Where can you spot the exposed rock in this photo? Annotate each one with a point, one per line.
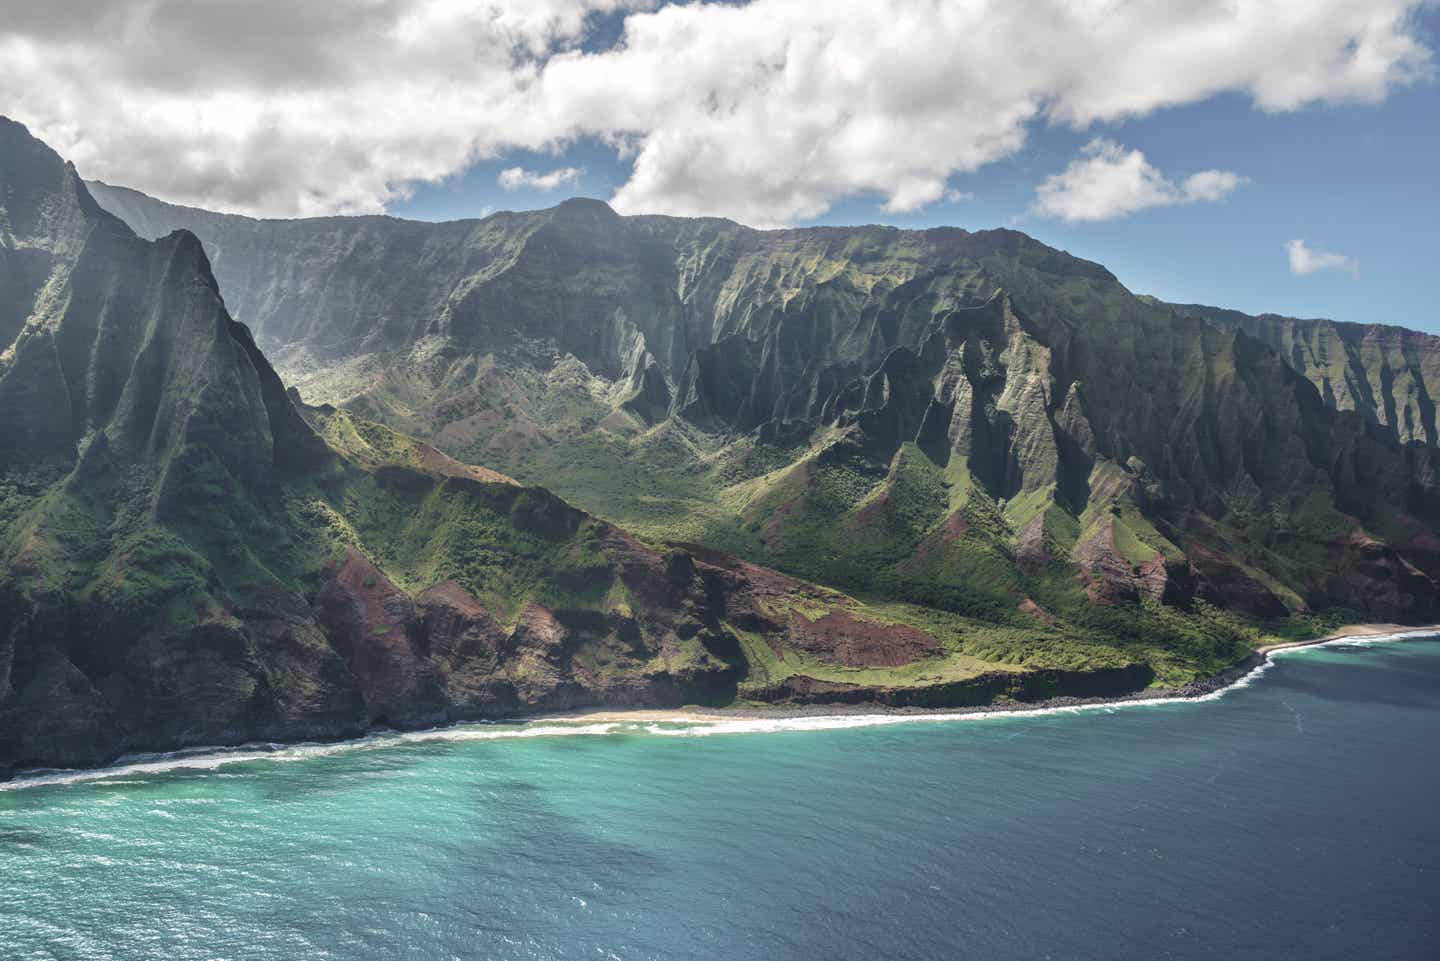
(375, 628)
(848, 640)
(1024, 687)
(1388, 375)
(1227, 584)
(1036, 611)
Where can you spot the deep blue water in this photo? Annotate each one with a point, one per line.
(1294, 818)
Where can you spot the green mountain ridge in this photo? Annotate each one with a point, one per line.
(1389, 375)
(190, 555)
(969, 421)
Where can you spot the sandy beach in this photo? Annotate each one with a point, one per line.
(736, 719)
(1353, 630)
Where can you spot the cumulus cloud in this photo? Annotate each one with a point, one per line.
(768, 111)
(516, 178)
(280, 108)
(1107, 181)
(1305, 260)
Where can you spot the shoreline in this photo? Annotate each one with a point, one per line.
(1195, 690)
(1352, 632)
(603, 720)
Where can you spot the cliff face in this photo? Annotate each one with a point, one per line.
(133, 407)
(190, 556)
(971, 421)
(1388, 375)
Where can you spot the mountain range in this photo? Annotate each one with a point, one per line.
(282, 479)
(839, 402)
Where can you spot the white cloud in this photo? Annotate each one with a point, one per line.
(1209, 186)
(1107, 181)
(958, 196)
(516, 178)
(1305, 261)
(770, 111)
(276, 107)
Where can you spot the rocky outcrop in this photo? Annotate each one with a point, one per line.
(846, 639)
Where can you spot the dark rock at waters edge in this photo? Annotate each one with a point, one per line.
(1221, 680)
(1030, 687)
(991, 695)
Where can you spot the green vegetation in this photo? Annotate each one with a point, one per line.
(765, 667)
(899, 460)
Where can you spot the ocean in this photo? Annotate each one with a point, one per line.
(1296, 816)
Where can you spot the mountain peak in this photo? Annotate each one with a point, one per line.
(45, 202)
(107, 333)
(12, 130)
(585, 206)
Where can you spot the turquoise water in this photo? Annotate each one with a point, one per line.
(1295, 817)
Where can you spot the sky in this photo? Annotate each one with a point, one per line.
(1268, 156)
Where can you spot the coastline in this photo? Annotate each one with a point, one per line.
(1353, 631)
(707, 720)
(1203, 688)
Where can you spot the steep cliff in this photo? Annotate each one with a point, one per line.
(1388, 375)
(969, 421)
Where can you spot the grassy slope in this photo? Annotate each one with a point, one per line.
(420, 541)
(883, 540)
(920, 545)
